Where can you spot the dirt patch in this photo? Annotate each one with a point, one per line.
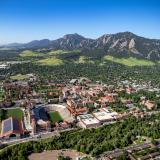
(53, 155)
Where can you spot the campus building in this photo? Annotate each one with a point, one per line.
(88, 121)
(12, 127)
(105, 115)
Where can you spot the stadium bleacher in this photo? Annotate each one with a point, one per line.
(40, 113)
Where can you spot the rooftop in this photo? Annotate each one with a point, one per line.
(102, 115)
(11, 126)
(88, 119)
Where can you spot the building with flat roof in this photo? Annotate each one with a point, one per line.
(12, 127)
(103, 116)
(110, 112)
(88, 121)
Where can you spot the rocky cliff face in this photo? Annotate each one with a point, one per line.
(124, 43)
(121, 43)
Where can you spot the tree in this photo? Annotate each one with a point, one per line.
(61, 158)
(153, 141)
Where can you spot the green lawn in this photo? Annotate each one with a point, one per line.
(55, 117)
(53, 61)
(16, 113)
(131, 61)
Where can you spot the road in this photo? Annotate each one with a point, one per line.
(42, 135)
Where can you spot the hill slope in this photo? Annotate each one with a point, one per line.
(121, 44)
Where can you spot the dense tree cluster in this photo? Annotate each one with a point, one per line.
(109, 73)
(94, 68)
(6, 55)
(3, 114)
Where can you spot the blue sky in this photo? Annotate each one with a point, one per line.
(26, 20)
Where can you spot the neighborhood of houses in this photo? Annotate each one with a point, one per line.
(32, 106)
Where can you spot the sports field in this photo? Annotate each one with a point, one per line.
(55, 117)
(16, 113)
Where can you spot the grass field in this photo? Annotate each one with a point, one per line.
(19, 77)
(16, 113)
(131, 61)
(55, 117)
(29, 53)
(53, 61)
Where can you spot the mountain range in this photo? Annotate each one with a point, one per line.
(123, 43)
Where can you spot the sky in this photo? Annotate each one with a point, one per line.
(26, 20)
